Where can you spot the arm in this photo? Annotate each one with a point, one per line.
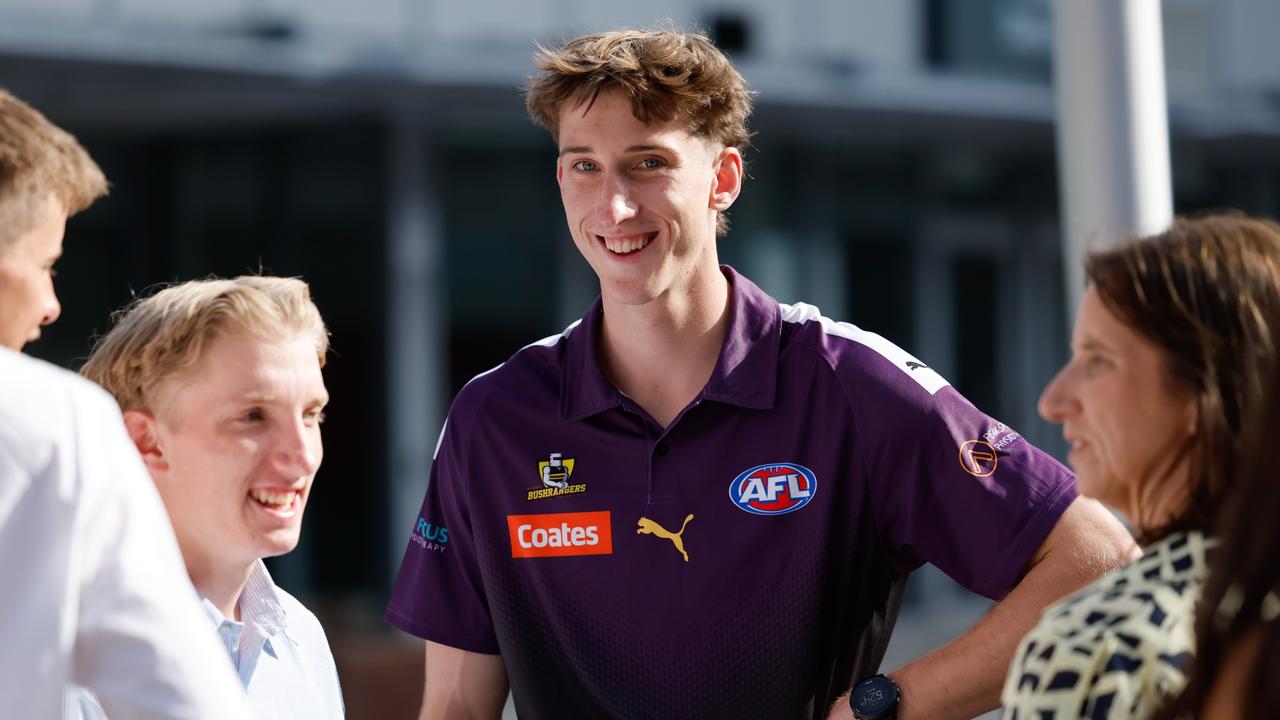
(963, 678)
(462, 685)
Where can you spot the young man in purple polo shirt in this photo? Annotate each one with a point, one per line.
(697, 502)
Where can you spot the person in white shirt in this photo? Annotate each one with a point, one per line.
(221, 387)
(92, 585)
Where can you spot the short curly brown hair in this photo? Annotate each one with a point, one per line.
(665, 75)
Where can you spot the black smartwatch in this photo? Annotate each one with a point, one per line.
(875, 698)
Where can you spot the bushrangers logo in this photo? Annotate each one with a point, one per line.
(773, 489)
(554, 474)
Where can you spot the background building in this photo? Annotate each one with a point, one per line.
(903, 179)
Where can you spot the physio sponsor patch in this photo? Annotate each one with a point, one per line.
(430, 536)
(560, 534)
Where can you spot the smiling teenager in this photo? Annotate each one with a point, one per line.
(745, 484)
(221, 387)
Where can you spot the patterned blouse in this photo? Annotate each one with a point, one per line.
(1118, 647)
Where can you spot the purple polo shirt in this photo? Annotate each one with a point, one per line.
(747, 561)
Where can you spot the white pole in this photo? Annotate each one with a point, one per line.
(1113, 134)
(414, 310)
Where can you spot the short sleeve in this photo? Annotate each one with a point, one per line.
(439, 593)
(951, 486)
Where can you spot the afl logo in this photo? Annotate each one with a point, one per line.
(774, 489)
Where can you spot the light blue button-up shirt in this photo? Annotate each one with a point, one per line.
(280, 651)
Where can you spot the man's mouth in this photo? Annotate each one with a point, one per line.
(626, 244)
(281, 501)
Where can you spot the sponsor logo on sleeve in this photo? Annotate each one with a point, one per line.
(429, 536)
(554, 473)
(560, 534)
(978, 458)
(774, 489)
(1000, 436)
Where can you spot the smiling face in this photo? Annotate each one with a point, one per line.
(234, 446)
(1127, 423)
(641, 200)
(27, 298)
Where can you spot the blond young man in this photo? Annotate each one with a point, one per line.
(94, 590)
(221, 388)
(577, 542)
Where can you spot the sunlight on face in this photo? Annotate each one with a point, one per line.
(1118, 409)
(240, 433)
(27, 298)
(640, 200)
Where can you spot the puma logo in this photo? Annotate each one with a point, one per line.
(649, 527)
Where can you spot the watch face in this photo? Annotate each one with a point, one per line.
(874, 696)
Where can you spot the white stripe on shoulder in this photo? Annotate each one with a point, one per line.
(924, 376)
(548, 341)
(440, 440)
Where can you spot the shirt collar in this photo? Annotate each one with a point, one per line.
(259, 606)
(745, 373)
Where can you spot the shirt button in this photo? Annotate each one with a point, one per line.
(660, 449)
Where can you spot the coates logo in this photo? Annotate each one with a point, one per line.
(560, 534)
(773, 489)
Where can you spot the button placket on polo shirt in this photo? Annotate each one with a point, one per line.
(664, 467)
(654, 439)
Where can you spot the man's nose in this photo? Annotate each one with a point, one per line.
(52, 308)
(299, 450)
(617, 205)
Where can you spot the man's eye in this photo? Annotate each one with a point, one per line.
(585, 166)
(316, 417)
(651, 163)
(255, 415)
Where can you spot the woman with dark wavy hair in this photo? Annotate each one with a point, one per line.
(1171, 343)
(1236, 673)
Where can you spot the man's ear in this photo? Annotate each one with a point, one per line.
(728, 180)
(141, 425)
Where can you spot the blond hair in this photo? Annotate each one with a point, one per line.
(38, 160)
(665, 75)
(158, 337)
